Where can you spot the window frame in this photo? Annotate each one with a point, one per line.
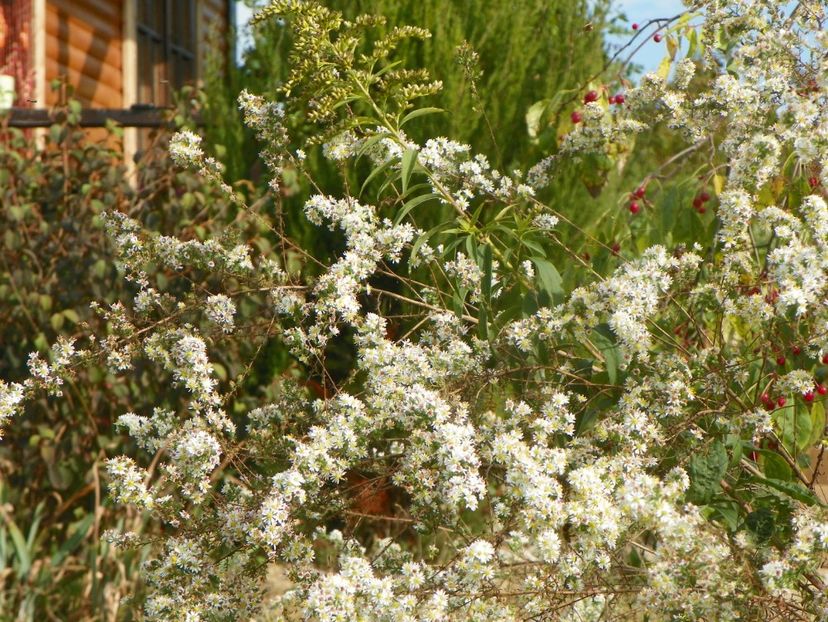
(165, 63)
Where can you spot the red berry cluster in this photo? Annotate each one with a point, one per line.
(808, 396)
(769, 403)
(634, 205)
(592, 96)
(699, 201)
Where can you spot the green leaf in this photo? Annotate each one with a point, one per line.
(706, 472)
(409, 159)
(817, 424)
(774, 466)
(792, 489)
(374, 174)
(794, 425)
(38, 516)
(23, 554)
(56, 133)
(220, 371)
(99, 268)
(56, 321)
(486, 284)
(388, 68)
(693, 38)
(550, 278)
(734, 445)
(729, 512)
(604, 340)
(41, 343)
(534, 246)
(420, 112)
(71, 315)
(534, 116)
(411, 204)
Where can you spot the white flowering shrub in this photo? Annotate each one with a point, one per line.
(505, 443)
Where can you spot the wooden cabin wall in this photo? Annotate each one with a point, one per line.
(83, 43)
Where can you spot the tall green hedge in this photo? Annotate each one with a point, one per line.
(532, 48)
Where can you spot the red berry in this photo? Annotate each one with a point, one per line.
(796, 350)
(616, 248)
(704, 197)
(657, 37)
(619, 99)
(697, 202)
(808, 396)
(635, 26)
(780, 360)
(781, 402)
(576, 117)
(702, 210)
(825, 359)
(611, 99)
(813, 182)
(591, 96)
(766, 399)
(639, 192)
(822, 390)
(634, 208)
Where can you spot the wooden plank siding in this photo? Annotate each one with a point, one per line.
(83, 43)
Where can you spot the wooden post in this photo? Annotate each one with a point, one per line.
(129, 72)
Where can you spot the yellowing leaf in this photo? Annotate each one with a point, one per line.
(718, 184)
(672, 46)
(664, 68)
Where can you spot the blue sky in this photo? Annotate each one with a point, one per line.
(641, 11)
(636, 11)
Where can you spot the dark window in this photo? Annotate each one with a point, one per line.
(166, 48)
